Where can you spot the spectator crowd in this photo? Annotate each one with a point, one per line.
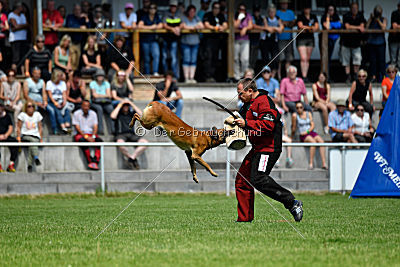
(57, 65)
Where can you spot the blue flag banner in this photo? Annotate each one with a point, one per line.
(380, 173)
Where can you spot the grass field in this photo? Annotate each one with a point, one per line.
(190, 229)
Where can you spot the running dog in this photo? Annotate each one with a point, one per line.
(193, 142)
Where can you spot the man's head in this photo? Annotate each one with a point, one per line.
(216, 8)
(246, 88)
(129, 8)
(205, 4)
(354, 8)
(173, 6)
(266, 74)
(99, 76)
(146, 4)
(169, 75)
(18, 8)
(35, 73)
(291, 72)
(125, 108)
(77, 10)
(50, 5)
(284, 4)
(85, 6)
(341, 106)
(85, 106)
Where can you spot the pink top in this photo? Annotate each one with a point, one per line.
(292, 91)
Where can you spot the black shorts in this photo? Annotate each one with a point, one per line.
(338, 138)
(127, 137)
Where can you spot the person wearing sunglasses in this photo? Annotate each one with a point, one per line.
(387, 83)
(363, 130)
(29, 129)
(10, 93)
(39, 56)
(358, 93)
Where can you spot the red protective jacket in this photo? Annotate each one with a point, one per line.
(263, 124)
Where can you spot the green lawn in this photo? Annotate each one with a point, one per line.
(192, 229)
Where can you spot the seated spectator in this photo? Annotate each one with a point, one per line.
(56, 90)
(358, 93)
(163, 94)
(148, 41)
(363, 130)
(394, 38)
(91, 59)
(10, 93)
(303, 122)
(341, 124)
(85, 130)
(29, 129)
(127, 20)
(292, 88)
(51, 19)
(101, 98)
(76, 90)
(121, 88)
(39, 56)
(387, 83)
(18, 34)
(190, 43)
(121, 59)
(243, 22)
(62, 57)
(322, 98)
(269, 84)
(6, 129)
(122, 117)
(377, 44)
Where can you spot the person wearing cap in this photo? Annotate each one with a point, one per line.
(122, 115)
(205, 4)
(394, 38)
(101, 99)
(6, 129)
(269, 84)
(18, 34)
(127, 20)
(340, 123)
(288, 20)
(172, 23)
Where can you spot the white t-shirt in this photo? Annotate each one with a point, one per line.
(19, 35)
(57, 90)
(361, 125)
(128, 21)
(30, 123)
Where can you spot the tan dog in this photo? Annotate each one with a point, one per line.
(193, 142)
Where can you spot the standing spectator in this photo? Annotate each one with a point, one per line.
(63, 12)
(18, 34)
(190, 43)
(57, 93)
(214, 42)
(163, 94)
(121, 58)
(181, 9)
(61, 56)
(351, 43)
(144, 10)
(101, 98)
(29, 129)
(148, 41)
(51, 19)
(305, 42)
(4, 28)
(77, 20)
(127, 20)
(387, 83)
(76, 90)
(341, 124)
(269, 84)
(358, 93)
(363, 130)
(39, 56)
(288, 20)
(172, 23)
(243, 23)
(122, 115)
(6, 129)
(292, 88)
(10, 93)
(91, 59)
(100, 22)
(322, 98)
(303, 122)
(87, 12)
(330, 20)
(121, 88)
(205, 4)
(394, 38)
(85, 130)
(377, 44)
(269, 39)
(258, 24)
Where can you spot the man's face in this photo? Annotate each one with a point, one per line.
(50, 5)
(85, 107)
(36, 74)
(244, 96)
(354, 9)
(341, 109)
(292, 74)
(216, 8)
(125, 108)
(284, 6)
(77, 11)
(266, 75)
(172, 9)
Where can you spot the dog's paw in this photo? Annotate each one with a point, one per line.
(214, 174)
(195, 180)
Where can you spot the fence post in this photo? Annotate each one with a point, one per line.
(231, 38)
(343, 150)
(324, 52)
(103, 182)
(228, 172)
(136, 50)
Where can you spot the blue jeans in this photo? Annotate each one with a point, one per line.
(177, 104)
(151, 50)
(189, 53)
(52, 116)
(172, 49)
(60, 118)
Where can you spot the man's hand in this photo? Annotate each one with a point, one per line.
(240, 122)
(2, 136)
(90, 139)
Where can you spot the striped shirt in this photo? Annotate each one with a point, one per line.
(339, 122)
